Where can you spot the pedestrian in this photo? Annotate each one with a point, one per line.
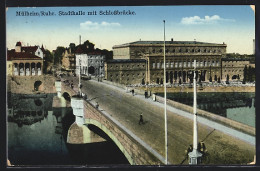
(133, 92)
(97, 105)
(141, 121)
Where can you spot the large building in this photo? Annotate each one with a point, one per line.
(179, 60)
(90, 64)
(68, 60)
(22, 61)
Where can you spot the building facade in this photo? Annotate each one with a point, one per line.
(23, 64)
(234, 68)
(91, 64)
(126, 71)
(180, 56)
(68, 60)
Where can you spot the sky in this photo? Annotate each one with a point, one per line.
(232, 24)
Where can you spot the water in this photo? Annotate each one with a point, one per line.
(37, 135)
(236, 106)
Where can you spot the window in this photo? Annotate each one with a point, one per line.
(167, 65)
(201, 63)
(158, 65)
(153, 65)
(171, 64)
(179, 50)
(176, 64)
(184, 64)
(173, 50)
(189, 64)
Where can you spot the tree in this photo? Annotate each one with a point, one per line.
(47, 61)
(210, 79)
(215, 78)
(218, 79)
(245, 75)
(58, 55)
(227, 81)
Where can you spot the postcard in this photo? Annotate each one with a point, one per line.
(130, 85)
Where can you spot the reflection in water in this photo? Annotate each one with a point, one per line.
(236, 106)
(37, 135)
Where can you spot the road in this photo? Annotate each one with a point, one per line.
(122, 106)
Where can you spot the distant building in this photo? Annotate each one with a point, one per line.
(126, 71)
(36, 50)
(180, 56)
(91, 63)
(68, 60)
(234, 68)
(23, 62)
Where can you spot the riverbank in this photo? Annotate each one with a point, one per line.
(31, 84)
(179, 89)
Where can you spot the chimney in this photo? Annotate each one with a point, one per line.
(79, 39)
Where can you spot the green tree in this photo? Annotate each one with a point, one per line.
(227, 81)
(245, 75)
(58, 55)
(47, 61)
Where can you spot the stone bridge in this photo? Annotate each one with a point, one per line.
(134, 149)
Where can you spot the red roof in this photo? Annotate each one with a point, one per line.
(79, 51)
(11, 55)
(29, 49)
(94, 53)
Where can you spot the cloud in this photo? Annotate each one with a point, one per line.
(206, 20)
(89, 25)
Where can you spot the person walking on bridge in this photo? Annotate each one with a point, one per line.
(141, 120)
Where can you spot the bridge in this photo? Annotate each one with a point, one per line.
(118, 114)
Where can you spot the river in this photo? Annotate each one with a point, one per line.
(236, 106)
(37, 135)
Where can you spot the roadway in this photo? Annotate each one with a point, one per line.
(125, 108)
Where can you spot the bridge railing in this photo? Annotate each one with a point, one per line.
(211, 116)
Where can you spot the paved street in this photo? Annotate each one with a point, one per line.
(222, 148)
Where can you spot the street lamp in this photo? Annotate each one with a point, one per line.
(165, 114)
(79, 77)
(195, 155)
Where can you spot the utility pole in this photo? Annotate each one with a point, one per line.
(79, 77)
(195, 155)
(165, 114)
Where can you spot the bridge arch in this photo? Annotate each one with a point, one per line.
(66, 96)
(112, 137)
(37, 85)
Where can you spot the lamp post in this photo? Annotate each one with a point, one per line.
(165, 114)
(79, 77)
(195, 155)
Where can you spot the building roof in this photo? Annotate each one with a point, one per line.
(12, 55)
(29, 49)
(79, 51)
(126, 60)
(18, 44)
(167, 43)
